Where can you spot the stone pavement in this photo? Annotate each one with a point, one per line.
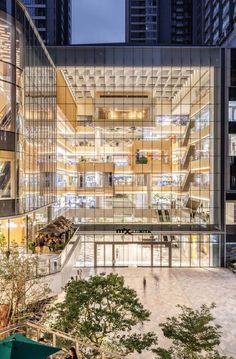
(167, 287)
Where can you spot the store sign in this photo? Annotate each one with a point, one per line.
(130, 231)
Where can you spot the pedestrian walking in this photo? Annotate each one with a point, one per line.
(144, 283)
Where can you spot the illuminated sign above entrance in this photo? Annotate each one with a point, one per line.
(129, 231)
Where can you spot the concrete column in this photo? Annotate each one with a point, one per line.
(49, 210)
(149, 190)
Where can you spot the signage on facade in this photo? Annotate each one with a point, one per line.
(130, 231)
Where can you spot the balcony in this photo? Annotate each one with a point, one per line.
(85, 191)
(62, 166)
(152, 166)
(201, 164)
(95, 191)
(200, 192)
(95, 167)
(200, 134)
(122, 169)
(129, 117)
(166, 189)
(130, 188)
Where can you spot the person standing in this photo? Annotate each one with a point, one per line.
(41, 243)
(72, 354)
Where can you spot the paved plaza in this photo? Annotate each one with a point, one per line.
(166, 288)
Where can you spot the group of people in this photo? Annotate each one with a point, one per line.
(55, 234)
(50, 241)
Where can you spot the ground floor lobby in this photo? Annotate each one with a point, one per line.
(132, 249)
(167, 287)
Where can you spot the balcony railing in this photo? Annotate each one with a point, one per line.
(55, 338)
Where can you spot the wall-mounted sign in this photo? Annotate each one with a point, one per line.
(132, 231)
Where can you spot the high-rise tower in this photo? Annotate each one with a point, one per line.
(163, 22)
(52, 19)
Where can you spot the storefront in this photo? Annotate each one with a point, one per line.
(148, 250)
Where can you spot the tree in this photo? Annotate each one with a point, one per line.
(102, 312)
(22, 292)
(192, 334)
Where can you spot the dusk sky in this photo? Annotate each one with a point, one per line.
(95, 21)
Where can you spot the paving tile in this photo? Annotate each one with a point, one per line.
(167, 287)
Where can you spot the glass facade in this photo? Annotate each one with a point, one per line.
(143, 148)
(145, 144)
(27, 115)
(148, 250)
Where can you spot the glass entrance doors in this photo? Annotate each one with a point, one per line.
(132, 255)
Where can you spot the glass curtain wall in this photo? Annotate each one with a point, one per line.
(145, 147)
(179, 250)
(27, 115)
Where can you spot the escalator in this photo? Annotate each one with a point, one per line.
(5, 180)
(167, 215)
(160, 214)
(5, 118)
(187, 133)
(7, 138)
(191, 203)
(187, 156)
(187, 180)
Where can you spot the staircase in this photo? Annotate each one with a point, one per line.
(60, 268)
(55, 338)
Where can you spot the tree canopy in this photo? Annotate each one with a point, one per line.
(22, 292)
(104, 312)
(193, 335)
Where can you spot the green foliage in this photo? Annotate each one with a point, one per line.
(216, 355)
(192, 334)
(60, 246)
(164, 353)
(103, 312)
(143, 160)
(32, 246)
(21, 292)
(3, 241)
(192, 329)
(138, 341)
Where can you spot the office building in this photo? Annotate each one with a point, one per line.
(164, 22)
(219, 22)
(136, 144)
(52, 19)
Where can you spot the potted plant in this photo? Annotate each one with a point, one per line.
(32, 246)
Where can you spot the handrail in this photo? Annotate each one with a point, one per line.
(55, 334)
